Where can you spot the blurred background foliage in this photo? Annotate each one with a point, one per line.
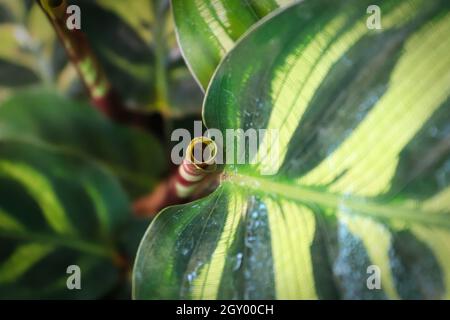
(68, 175)
(135, 41)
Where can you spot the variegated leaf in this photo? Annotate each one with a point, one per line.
(57, 210)
(42, 117)
(208, 29)
(363, 171)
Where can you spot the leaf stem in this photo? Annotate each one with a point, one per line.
(76, 44)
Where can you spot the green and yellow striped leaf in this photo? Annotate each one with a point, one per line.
(17, 63)
(136, 44)
(57, 210)
(30, 53)
(362, 177)
(40, 116)
(208, 29)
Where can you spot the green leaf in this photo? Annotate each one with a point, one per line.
(12, 10)
(363, 176)
(14, 75)
(31, 52)
(135, 44)
(41, 117)
(208, 29)
(56, 210)
(16, 63)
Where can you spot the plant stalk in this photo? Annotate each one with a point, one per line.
(76, 44)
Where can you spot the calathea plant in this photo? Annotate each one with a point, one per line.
(350, 200)
(363, 177)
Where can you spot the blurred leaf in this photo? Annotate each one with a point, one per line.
(13, 75)
(126, 57)
(184, 93)
(17, 63)
(39, 28)
(208, 29)
(361, 176)
(29, 42)
(56, 210)
(13, 10)
(134, 42)
(5, 14)
(43, 117)
(12, 37)
(137, 14)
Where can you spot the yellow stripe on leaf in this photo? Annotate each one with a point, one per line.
(101, 209)
(282, 3)
(206, 285)
(43, 193)
(438, 240)
(439, 203)
(367, 160)
(224, 41)
(296, 82)
(289, 104)
(8, 223)
(21, 260)
(377, 241)
(292, 229)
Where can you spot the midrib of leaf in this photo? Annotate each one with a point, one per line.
(355, 205)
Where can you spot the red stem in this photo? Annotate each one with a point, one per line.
(76, 44)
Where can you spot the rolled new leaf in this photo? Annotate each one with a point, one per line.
(187, 182)
(198, 163)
